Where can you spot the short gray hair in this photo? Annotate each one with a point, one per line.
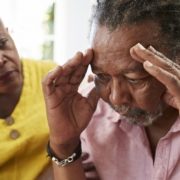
(114, 13)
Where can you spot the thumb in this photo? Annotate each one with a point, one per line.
(93, 98)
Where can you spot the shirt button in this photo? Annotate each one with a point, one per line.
(9, 120)
(14, 134)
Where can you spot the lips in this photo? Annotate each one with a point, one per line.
(6, 75)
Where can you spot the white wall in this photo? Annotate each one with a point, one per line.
(24, 21)
(71, 28)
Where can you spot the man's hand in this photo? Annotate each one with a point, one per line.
(163, 69)
(68, 111)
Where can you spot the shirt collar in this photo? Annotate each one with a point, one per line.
(176, 126)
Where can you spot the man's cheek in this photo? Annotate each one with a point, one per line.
(150, 96)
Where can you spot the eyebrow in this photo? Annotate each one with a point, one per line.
(134, 69)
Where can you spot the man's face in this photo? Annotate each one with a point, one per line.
(10, 66)
(122, 81)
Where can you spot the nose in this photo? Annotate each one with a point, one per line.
(3, 60)
(119, 94)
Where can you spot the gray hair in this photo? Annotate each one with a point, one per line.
(114, 13)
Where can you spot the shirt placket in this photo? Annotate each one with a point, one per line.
(161, 160)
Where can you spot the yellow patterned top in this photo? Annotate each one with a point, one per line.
(23, 140)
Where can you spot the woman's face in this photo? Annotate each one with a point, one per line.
(10, 65)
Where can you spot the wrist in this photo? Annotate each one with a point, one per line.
(61, 160)
(64, 150)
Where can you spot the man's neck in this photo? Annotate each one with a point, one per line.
(165, 121)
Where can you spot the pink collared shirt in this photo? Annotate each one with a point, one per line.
(121, 151)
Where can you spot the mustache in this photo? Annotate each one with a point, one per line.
(125, 109)
(138, 116)
(121, 109)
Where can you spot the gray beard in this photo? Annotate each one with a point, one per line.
(138, 116)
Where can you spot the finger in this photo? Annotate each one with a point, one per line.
(139, 53)
(75, 68)
(78, 75)
(75, 60)
(53, 75)
(73, 63)
(49, 88)
(167, 60)
(171, 81)
(69, 68)
(170, 100)
(93, 98)
(49, 80)
(88, 56)
(80, 59)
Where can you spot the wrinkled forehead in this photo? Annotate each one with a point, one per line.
(125, 36)
(113, 47)
(145, 32)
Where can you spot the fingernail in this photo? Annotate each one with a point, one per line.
(148, 64)
(87, 51)
(139, 46)
(151, 48)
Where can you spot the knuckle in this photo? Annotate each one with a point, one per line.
(149, 55)
(79, 53)
(45, 78)
(174, 80)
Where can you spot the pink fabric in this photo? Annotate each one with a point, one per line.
(121, 151)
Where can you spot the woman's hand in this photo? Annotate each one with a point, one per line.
(163, 69)
(68, 111)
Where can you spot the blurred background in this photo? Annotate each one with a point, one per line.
(48, 29)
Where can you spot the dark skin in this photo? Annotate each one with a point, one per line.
(168, 71)
(132, 74)
(131, 84)
(158, 129)
(11, 77)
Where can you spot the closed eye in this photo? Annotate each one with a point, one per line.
(3, 42)
(136, 81)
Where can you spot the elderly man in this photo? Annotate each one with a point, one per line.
(131, 116)
(23, 122)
